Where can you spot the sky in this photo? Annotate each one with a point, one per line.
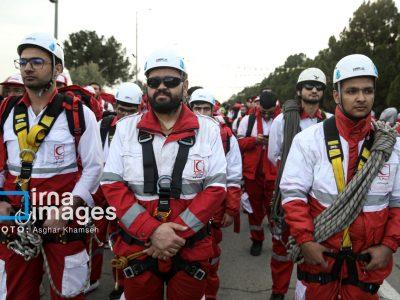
(227, 45)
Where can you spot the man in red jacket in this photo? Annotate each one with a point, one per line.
(166, 176)
(203, 102)
(339, 267)
(258, 172)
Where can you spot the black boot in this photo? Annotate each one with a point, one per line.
(256, 248)
(116, 294)
(277, 297)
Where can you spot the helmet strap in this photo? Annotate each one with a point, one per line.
(341, 106)
(50, 83)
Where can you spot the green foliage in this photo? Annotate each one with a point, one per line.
(84, 47)
(374, 31)
(86, 73)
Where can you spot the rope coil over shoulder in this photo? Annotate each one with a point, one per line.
(349, 203)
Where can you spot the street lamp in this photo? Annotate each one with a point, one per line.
(136, 52)
(55, 17)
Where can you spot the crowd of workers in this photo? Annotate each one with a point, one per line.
(178, 166)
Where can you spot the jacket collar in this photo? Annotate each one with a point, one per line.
(185, 126)
(352, 131)
(318, 115)
(25, 98)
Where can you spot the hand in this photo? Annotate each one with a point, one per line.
(157, 253)
(380, 257)
(165, 238)
(227, 220)
(54, 220)
(5, 210)
(261, 139)
(313, 253)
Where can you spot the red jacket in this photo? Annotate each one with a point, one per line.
(255, 155)
(205, 168)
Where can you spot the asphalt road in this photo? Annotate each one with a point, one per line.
(242, 275)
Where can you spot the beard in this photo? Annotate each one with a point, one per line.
(37, 84)
(166, 106)
(312, 100)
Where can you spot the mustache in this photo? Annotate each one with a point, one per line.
(162, 92)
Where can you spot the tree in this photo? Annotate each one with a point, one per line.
(84, 47)
(374, 31)
(87, 73)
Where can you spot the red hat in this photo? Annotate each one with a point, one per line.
(75, 88)
(107, 97)
(62, 79)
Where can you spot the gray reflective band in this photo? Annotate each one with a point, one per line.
(191, 220)
(187, 189)
(394, 202)
(219, 178)
(256, 227)
(281, 258)
(237, 182)
(293, 194)
(131, 214)
(214, 261)
(372, 200)
(108, 176)
(43, 170)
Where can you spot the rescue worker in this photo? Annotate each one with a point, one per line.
(310, 92)
(202, 102)
(258, 172)
(128, 98)
(322, 161)
(97, 94)
(49, 164)
(13, 86)
(241, 114)
(61, 81)
(166, 176)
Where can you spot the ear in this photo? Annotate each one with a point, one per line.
(185, 88)
(336, 97)
(58, 70)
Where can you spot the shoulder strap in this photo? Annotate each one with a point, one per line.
(105, 127)
(250, 125)
(150, 171)
(75, 117)
(10, 105)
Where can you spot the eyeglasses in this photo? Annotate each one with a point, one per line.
(36, 63)
(169, 81)
(310, 85)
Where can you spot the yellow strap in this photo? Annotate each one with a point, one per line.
(340, 180)
(29, 142)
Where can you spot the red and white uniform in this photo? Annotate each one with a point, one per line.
(258, 172)
(55, 169)
(281, 266)
(203, 191)
(231, 204)
(308, 187)
(276, 136)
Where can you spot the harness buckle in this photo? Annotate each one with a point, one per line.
(62, 238)
(128, 272)
(199, 274)
(164, 184)
(161, 215)
(144, 137)
(27, 151)
(188, 141)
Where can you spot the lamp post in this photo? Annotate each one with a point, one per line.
(55, 17)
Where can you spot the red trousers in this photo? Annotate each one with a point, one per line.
(148, 286)
(281, 265)
(260, 194)
(20, 279)
(98, 250)
(212, 276)
(331, 291)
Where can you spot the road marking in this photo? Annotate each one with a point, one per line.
(386, 291)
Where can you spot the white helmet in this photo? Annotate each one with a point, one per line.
(13, 80)
(44, 41)
(202, 95)
(62, 79)
(389, 115)
(354, 65)
(130, 93)
(164, 58)
(312, 74)
(90, 89)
